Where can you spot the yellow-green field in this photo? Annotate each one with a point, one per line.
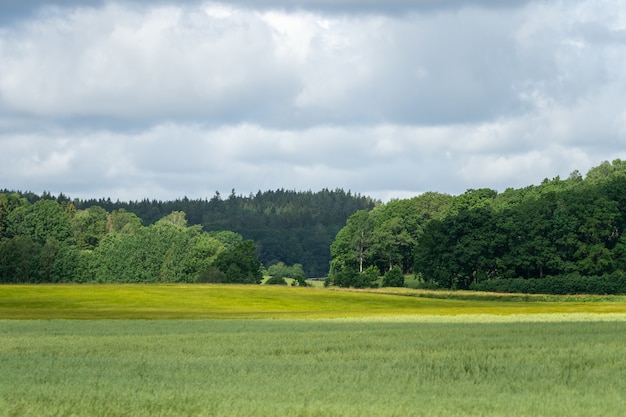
(238, 302)
(158, 350)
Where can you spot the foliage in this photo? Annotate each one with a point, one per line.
(350, 277)
(393, 278)
(281, 270)
(386, 236)
(46, 219)
(614, 283)
(287, 226)
(51, 242)
(167, 251)
(560, 228)
(276, 280)
(211, 275)
(240, 265)
(300, 281)
(369, 277)
(89, 227)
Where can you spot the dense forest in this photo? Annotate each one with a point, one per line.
(46, 238)
(562, 236)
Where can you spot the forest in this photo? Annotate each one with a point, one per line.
(561, 236)
(46, 238)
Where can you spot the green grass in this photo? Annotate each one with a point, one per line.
(230, 302)
(419, 366)
(388, 352)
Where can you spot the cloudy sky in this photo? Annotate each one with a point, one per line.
(387, 98)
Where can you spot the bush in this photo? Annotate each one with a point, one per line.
(212, 275)
(614, 283)
(299, 281)
(276, 281)
(367, 278)
(344, 278)
(394, 278)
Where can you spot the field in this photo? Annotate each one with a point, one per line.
(143, 301)
(363, 355)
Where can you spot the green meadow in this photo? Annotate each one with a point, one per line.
(201, 350)
(146, 301)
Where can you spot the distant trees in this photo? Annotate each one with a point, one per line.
(567, 233)
(560, 228)
(41, 221)
(281, 270)
(167, 251)
(52, 241)
(382, 239)
(241, 264)
(286, 226)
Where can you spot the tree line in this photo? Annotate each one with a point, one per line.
(53, 242)
(46, 238)
(562, 236)
(286, 226)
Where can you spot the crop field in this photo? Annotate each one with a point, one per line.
(144, 301)
(392, 355)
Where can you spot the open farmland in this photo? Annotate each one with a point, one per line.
(141, 301)
(364, 354)
(344, 367)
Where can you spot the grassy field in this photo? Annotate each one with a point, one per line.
(230, 302)
(342, 367)
(279, 351)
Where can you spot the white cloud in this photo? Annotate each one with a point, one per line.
(134, 99)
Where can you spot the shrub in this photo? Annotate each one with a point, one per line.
(211, 275)
(614, 283)
(394, 278)
(276, 281)
(299, 281)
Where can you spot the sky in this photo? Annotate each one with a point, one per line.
(167, 99)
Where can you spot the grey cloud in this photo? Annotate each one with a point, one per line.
(159, 102)
(149, 66)
(12, 10)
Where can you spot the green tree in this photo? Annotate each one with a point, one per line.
(392, 242)
(8, 203)
(460, 249)
(367, 278)
(166, 251)
(344, 277)
(89, 227)
(19, 260)
(122, 221)
(201, 254)
(240, 265)
(40, 221)
(353, 242)
(393, 278)
(227, 238)
(276, 280)
(279, 269)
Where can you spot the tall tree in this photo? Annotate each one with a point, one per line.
(41, 221)
(240, 265)
(89, 227)
(351, 246)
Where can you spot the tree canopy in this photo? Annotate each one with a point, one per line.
(51, 241)
(567, 233)
(571, 227)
